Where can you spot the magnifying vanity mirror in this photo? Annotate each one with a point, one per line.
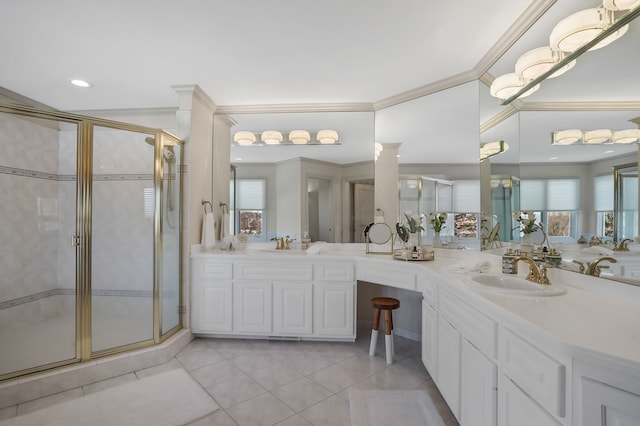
(569, 186)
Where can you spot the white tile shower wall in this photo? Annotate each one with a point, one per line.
(29, 235)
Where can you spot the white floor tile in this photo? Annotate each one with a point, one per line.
(264, 410)
(333, 411)
(301, 394)
(109, 383)
(48, 401)
(235, 391)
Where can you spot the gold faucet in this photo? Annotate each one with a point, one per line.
(280, 243)
(579, 264)
(536, 275)
(622, 246)
(594, 268)
(286, 243)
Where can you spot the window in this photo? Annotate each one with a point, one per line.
(466, 203)
(555, 202)
(250, 204)
(603, 202)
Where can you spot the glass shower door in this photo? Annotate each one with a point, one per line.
(122, 235)
(37, 259)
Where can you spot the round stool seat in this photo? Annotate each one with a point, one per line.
(385, 303)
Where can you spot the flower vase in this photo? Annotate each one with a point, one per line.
(412, 241)
(437, 242)
(526, 247)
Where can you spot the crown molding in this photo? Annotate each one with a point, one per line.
(188, 92)
(580, 106)
(290, 108)
(428, 89)
(498, 118)
(513, 34)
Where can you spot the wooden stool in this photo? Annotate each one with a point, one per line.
(387, 304)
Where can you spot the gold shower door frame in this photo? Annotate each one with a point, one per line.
(82, 239)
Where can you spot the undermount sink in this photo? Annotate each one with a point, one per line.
(508, 284)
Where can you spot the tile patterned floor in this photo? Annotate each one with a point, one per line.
(284, 383)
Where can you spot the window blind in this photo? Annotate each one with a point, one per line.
(466, 196)
(550, 194)
(251, 194)
(603, 193)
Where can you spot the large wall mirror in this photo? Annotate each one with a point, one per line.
(436, 136)
(325, 190)
(575, 182)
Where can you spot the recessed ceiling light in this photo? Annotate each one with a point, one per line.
(553, 158)
(609, 151)
(238, 159)
(80, 83)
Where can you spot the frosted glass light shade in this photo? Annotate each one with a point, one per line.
(620, 4)
(244, 138)
(597, 136)
(536, 62)
(299, 137)
(271, 137)
(566, 137)
(576, 30)
(327, 136)
(507, 85)
(626, 136)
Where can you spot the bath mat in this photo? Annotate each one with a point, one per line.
(397, 407)
(171, 398)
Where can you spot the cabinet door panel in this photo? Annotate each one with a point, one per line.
(448, 365)
(518, 409)
(334, 311)
(429, 334)
(252, 307)
(292, 304)
(214, 307)
(602, 404)
(479, 387)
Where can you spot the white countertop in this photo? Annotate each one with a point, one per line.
(595, 315)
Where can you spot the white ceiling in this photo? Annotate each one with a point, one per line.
(252, 53)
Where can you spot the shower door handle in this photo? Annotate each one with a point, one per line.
(75, 241)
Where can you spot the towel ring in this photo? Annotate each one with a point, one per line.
(204, 206)
(224, 206)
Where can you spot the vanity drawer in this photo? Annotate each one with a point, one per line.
(385, 274)
(478, 328)
(334, 272)
(212, 270)
(273, 271)
(535, 372)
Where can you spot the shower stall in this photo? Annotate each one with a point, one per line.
(90, 238)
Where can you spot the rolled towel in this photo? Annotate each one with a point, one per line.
(208, 239)
(317, 248)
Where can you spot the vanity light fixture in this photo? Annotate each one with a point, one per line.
(271, 137)
(597, 136)
(489, 149)
(299, 137)
(507, 85)
(566, 137)
(244, 138)
(578, 29)
(626, 136)
(327, 136)
(536, 62)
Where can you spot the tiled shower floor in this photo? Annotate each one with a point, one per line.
(259, 382)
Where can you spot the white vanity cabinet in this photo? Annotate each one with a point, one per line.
(252, 307)
(292, 308)
(532, 374)
(604, 396)
(465, 371)
(278, 296)
(212, 309)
